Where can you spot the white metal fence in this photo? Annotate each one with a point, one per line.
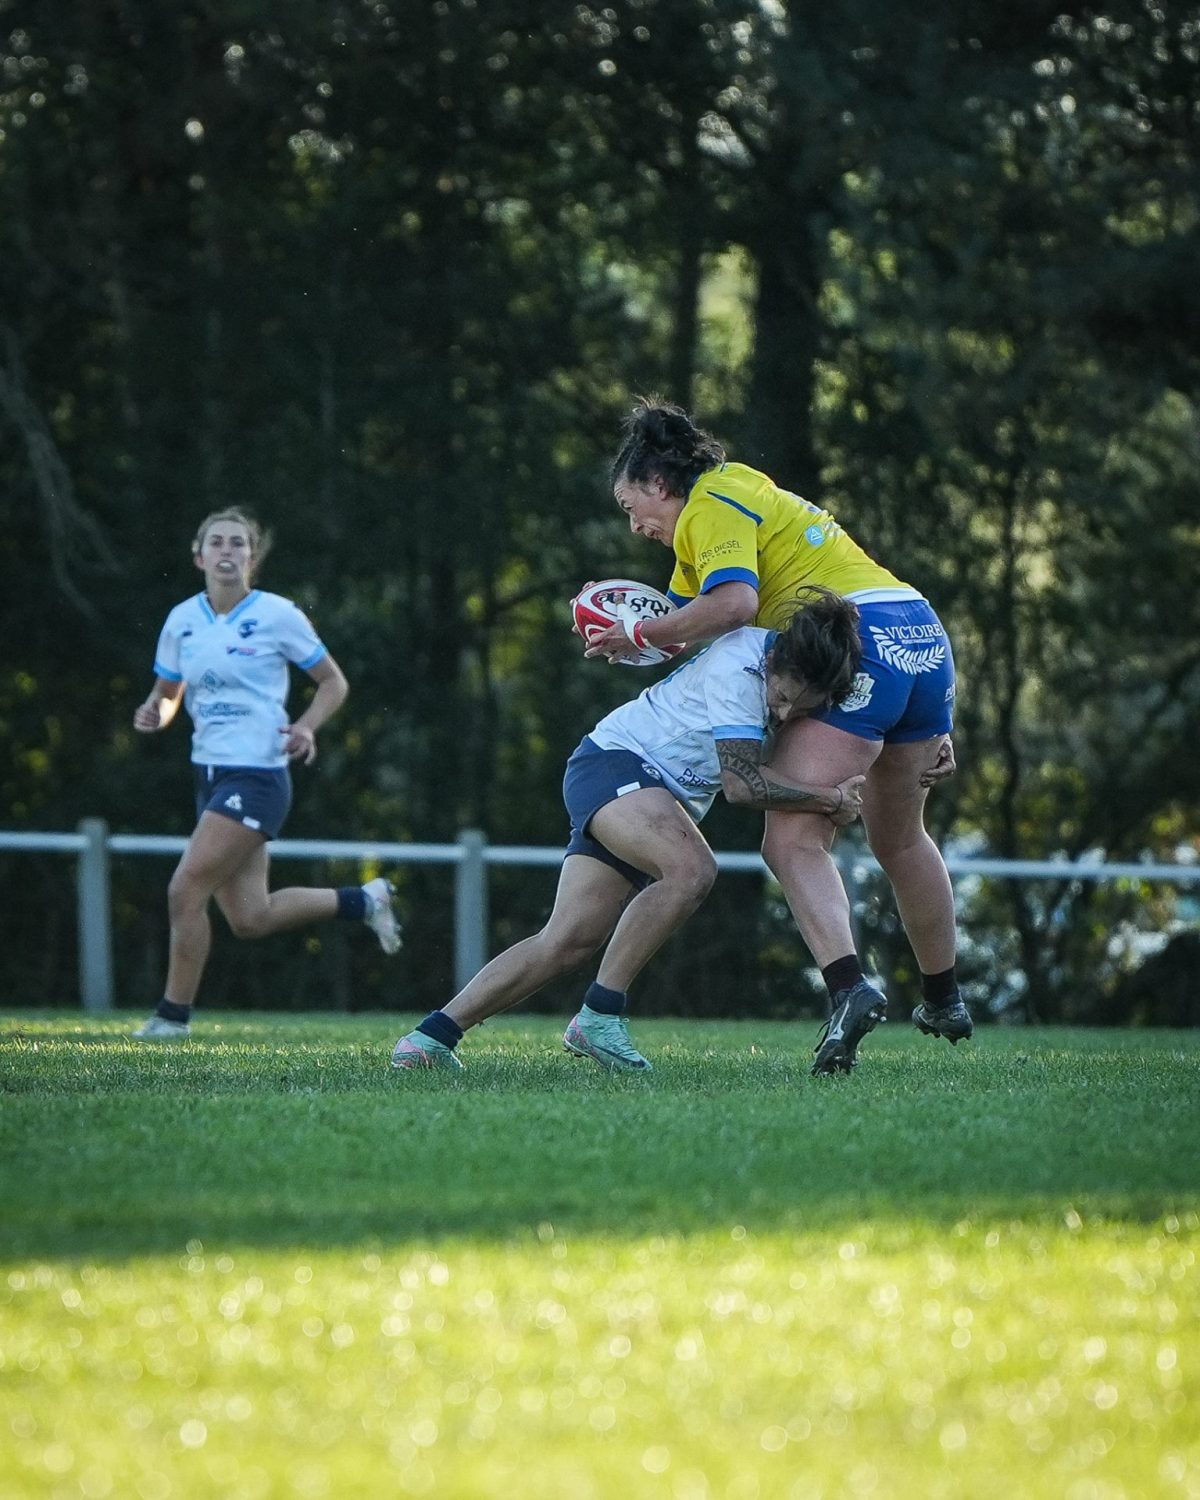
(93, 847)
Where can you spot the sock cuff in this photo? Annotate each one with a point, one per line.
(604, 1001)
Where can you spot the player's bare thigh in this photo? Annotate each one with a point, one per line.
(216, 851)
(651, 831)
(807, 750)
(893, 797)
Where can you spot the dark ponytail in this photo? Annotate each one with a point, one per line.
(662, 441)
(820, 644)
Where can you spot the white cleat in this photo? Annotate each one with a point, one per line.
(381, 917)
(158, 1030)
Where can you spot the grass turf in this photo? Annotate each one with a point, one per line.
(264, 1265)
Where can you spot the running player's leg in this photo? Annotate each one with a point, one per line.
(215, 851)
(797, 846)
(647, 830)
(253, 910)
(797, 849)
(893, 816)
(586, 908)
(650, 830)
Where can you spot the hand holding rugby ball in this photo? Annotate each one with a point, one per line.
(620, 601)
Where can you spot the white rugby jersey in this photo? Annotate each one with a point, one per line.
(235, 668)
(718, 694)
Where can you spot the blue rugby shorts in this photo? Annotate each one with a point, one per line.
(251, 795)
(904, 690)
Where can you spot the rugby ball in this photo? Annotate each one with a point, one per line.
(620, 601)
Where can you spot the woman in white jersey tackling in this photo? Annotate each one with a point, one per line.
(637, 865)
(226, 653)
(742, 547)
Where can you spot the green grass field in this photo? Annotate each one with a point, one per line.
(264, 1265)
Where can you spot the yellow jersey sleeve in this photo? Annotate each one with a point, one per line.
(716, 541)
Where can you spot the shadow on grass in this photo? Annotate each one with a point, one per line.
(109, 1151)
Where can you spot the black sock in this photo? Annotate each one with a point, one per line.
(939, 989)
(442, 1028)
(607, 1002)
(842, 974)
(352, 903)
(167, 1010)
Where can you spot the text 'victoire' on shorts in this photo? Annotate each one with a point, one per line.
(904, 690)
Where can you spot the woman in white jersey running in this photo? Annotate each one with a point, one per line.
(226, 653)
(637, 865)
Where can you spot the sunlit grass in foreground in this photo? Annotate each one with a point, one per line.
(263, 1265)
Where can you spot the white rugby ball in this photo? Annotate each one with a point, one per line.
(599, 606)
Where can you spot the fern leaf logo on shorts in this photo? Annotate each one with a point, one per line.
(651, 770)
(859, 695)
(235, 801)
(904, 658)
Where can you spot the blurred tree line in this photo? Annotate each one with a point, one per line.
(390, 272)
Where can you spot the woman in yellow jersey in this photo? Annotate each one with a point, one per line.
(743, 549)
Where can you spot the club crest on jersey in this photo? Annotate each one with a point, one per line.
(859, 695)
(210, 682)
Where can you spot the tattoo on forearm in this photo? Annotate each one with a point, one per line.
(740, 758)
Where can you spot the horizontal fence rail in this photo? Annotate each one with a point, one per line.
(471, 854)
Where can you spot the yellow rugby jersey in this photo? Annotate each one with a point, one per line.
(738, 526)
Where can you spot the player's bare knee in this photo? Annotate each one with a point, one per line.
(185, 897)
(692, 881)
(566, 948)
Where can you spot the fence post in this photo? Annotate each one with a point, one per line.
(470, 907)
(95, 918)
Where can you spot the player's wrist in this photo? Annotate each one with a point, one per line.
(637, 634)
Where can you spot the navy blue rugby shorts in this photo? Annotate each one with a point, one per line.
(594, 778)
(258, 799)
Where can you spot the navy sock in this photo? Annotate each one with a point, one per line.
(607, 1002)
(939, 989)
(352, 903)
(167, 1010)
(442, 1028)
(842, 974)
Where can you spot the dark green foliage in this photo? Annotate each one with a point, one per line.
(390, 278)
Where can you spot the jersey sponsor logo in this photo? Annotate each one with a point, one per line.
(222, 711)
(814, 536)
(247, 628)
(906, 658)
(688, 777)
(756, 671)
(718, 548)
(234, 800)
(859, 695)
(241, 650)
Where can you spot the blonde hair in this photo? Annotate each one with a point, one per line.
(260, 539)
